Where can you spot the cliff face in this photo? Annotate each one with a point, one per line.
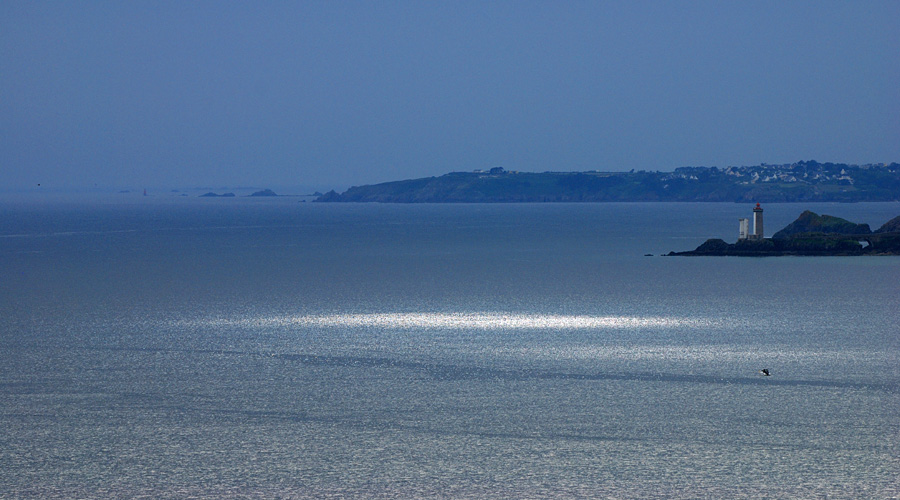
(811, 222)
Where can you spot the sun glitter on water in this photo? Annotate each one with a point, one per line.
(467, 321)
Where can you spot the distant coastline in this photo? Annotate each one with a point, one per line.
(805, 181)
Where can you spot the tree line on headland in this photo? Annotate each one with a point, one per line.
(805, 181)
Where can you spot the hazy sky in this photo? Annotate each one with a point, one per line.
(332, 93)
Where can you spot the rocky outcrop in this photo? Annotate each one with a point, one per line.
(811, 222)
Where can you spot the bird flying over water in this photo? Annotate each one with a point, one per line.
(765, 371)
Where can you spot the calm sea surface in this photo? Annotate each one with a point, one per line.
(247, 348)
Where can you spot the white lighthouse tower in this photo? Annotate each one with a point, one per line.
(757, 223)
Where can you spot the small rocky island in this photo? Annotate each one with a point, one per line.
(264, 192)
(810, 234)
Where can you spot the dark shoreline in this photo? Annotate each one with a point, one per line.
(813, 246)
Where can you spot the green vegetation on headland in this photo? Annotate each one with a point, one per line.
(811, 222)
(811, 234)
(805, 181)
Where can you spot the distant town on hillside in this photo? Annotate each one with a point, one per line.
(804, 181)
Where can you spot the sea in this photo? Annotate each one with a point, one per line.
(184, 347)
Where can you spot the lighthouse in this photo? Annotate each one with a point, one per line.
(757, 223)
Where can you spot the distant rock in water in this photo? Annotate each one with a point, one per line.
(264, 192)
(891, 226)
(811, 222)
(214, 195)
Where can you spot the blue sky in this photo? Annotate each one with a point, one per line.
(333, 94)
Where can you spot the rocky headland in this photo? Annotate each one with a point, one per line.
(811, 234)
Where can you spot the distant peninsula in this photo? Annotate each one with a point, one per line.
(805, 181)
(810, 234)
